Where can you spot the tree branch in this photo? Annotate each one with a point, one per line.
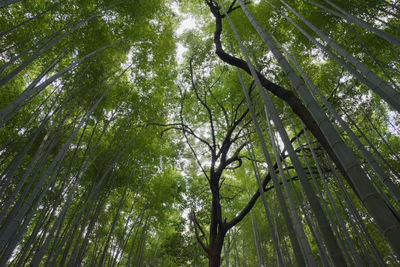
(218, 102)
(196, 223)
(204, 104)
(255, 196)
(243, 100)
(183, 127)
(249, 205)
(187, 141)
(288, 96)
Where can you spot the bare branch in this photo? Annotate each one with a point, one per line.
(190, 146)
(227, 140)
(231, 5)
(196, 223)
(232, 8)
(287, 180)
(235, 156)
(238, 134)
(249, 205)
(242, 101)
(216, 100)
(240, 162)
(181, 127)
(204, 104)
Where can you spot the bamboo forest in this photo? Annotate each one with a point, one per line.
(200, 133)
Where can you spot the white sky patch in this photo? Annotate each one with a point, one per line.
(187, 23)
(392, 125)
(180, 50)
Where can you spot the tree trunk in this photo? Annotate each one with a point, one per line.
(214, 254)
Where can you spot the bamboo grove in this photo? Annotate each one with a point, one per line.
(265, 135)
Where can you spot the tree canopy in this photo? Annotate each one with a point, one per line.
(267, 134)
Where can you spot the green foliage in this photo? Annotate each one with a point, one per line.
(113, 122)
